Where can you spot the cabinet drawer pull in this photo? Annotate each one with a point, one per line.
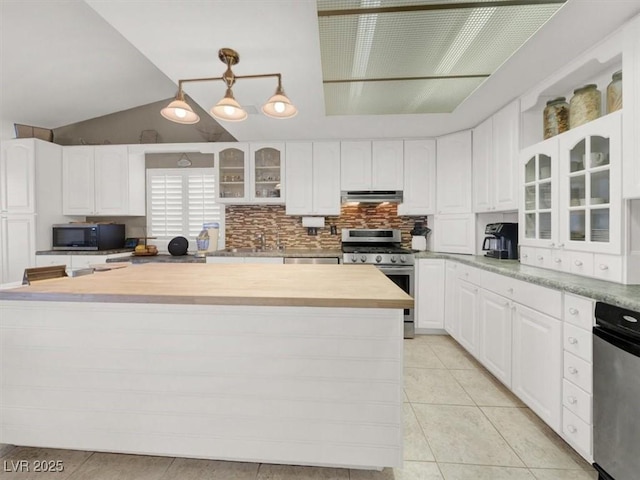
(573, 311)
(552, 245)
(525, 255)
(573, 340)
(475, 290)
(578, 263)
(561, 245)
(510, 290)
(557, 260)
(572, 400)
(572, 429)
(540, 257)
(603, 266)
(573, 370)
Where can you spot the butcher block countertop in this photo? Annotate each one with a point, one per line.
(357, 286)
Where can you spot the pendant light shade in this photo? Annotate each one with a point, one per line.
(228, 109)
(279, 106)
(179, 111)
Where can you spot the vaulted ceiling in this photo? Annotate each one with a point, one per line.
(64, 61)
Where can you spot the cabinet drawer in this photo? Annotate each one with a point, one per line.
(470, 274)
(560, 260)
(543, 258)
(607, 267)
(539, 298)
(576, 431)
(581, 263)
(578, 311)
(527, 255)
(500, 284)
(578, 371)
(578, 341)
(576, 400)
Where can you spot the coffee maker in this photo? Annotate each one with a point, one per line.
(502, 241)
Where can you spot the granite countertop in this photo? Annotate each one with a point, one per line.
(236, 284)
(84, 252)
(287, 252)
(160, 258)
(625, 296)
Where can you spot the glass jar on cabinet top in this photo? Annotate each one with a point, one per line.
(584, 105)
(556, 117)
(614, 93)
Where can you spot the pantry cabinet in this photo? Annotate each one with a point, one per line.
(453, 168)
(419, 194)
(496, 144)
(96, 181)
(371, 165)
(537, 363)
(313, 178)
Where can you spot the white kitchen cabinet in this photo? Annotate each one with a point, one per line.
(251, 173)
(451, 299)
(430, 285)
(17, 177)
(483, 181)
(96, 180)
(631, 105)
(590, 186)
(468, 325)
(453, 168)
(537, 363)
(17, 246)
(494, 350)
(313, 178)
(419, 194)
(454, 233)
(371, 165)
(225, 260)
(31, 201)
(48, 260)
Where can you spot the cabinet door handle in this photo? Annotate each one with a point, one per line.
(573, 370)
(525, 256)
(552, 245)
(603, 266)
(557, 260)
(540, 257)
(573, 340)
(561, 245)
(510, 290)
(572, 400)
(475, 290)
(578, 263)
(573, 311)
(572, 429)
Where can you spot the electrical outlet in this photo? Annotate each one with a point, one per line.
(334, 230)
(312, 231)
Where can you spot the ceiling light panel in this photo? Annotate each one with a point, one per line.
(443, 42)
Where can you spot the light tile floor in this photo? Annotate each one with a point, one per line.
(460, 424)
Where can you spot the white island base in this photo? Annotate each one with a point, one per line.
(275, 384)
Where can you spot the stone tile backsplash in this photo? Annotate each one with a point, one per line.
(245, 222)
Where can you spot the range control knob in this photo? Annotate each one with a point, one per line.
(363, 258)
(403, 259)
(354, 259)
(393, 259)
(378, 259)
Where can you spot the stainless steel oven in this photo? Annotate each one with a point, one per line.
(382, 248)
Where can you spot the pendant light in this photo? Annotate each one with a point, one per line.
(228, 109)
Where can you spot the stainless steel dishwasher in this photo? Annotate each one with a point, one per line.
(616, 393)
(314, 260)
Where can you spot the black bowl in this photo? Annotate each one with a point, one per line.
(178, 246)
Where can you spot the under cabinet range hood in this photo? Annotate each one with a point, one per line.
(372, 196)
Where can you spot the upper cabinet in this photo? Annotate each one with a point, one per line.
(313, 178)
(17, 177)
(96, 181)
(372, 165)
(590, 186)
(496, 144)
(251, 173)
(419, 195)
(453, 168)
(631, 105)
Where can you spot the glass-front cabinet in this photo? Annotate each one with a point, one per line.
(251, 173)
(590, 188)
(539, 205)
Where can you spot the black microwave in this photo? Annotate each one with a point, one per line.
(88, 236)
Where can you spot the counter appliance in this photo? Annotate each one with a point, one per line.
(382, 248)
(502, 240)
(87, 236)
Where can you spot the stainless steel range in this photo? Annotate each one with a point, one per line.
(382, 248)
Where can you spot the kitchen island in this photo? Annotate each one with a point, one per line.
(296, 364)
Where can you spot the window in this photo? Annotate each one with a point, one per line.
(179, 201)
